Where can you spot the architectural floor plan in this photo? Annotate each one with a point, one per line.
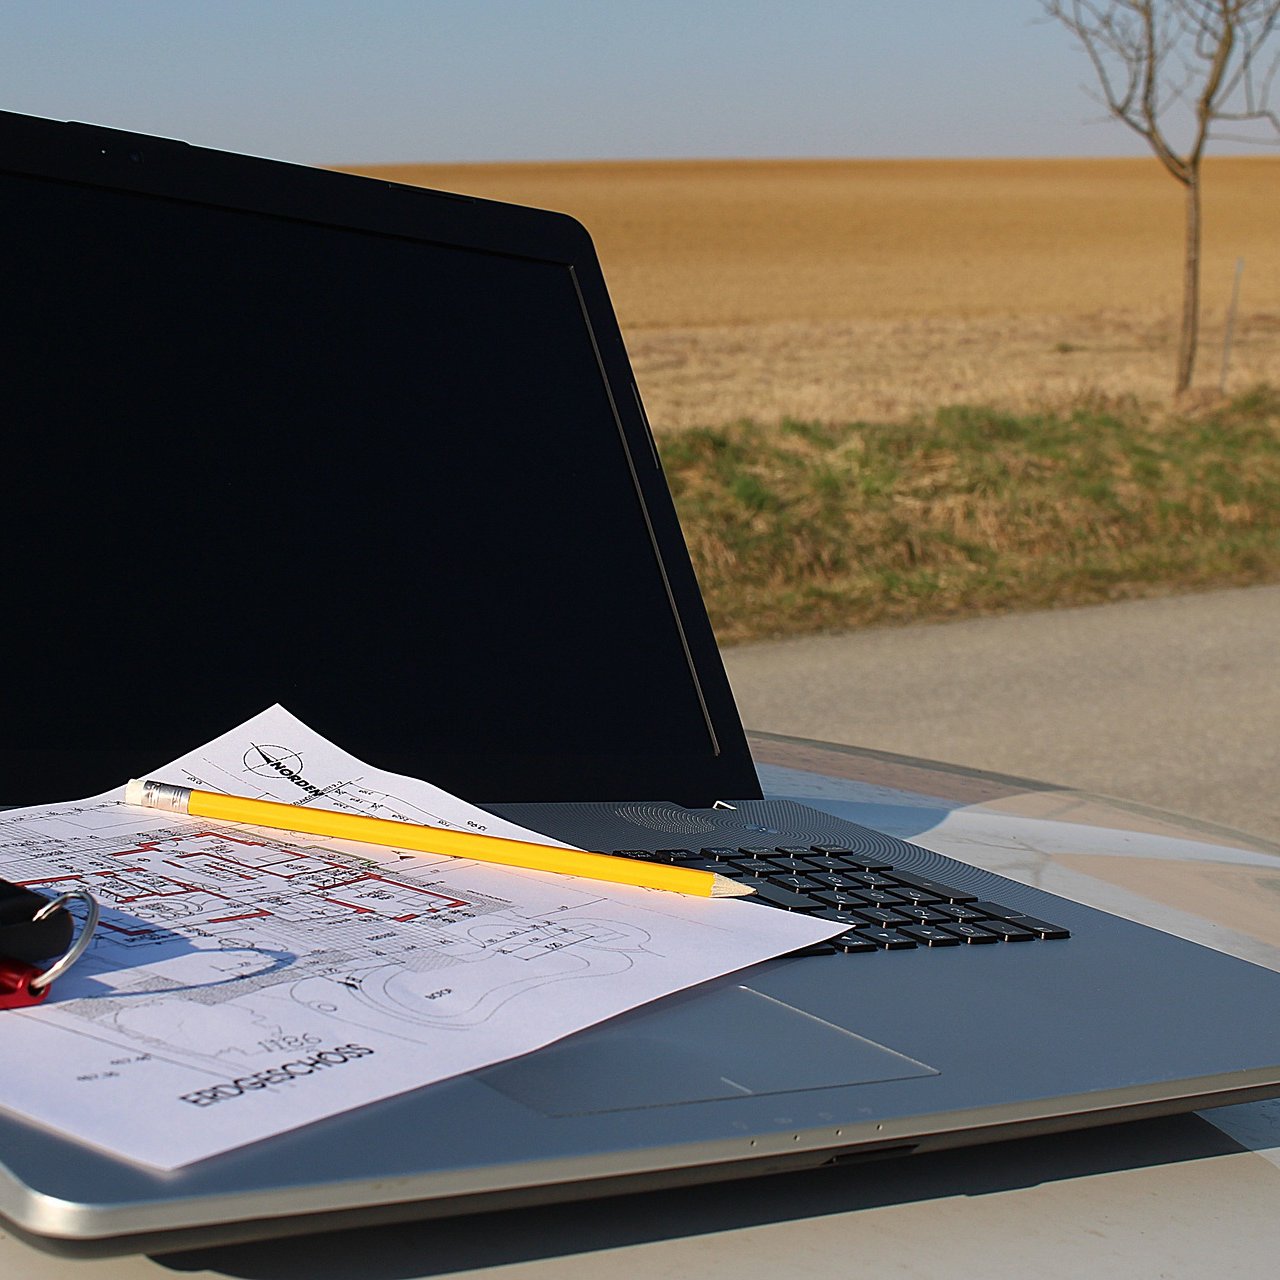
(243, 982)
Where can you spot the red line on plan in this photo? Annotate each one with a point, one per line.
(244, 915)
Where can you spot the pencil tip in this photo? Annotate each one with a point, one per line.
(723, 887)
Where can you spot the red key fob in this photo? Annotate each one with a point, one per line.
(15, 984)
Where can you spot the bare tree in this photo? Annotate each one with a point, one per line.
(1186, 69)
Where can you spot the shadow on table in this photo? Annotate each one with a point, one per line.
(445, 1246)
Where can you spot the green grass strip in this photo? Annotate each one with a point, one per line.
(801, 527)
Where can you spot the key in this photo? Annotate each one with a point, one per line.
(1009, 931)
(797, 884)
(855, 940)
(923, 915)
(882, 916)
(930, 936)
(944, 891)
(888, 939)
(971, 932)
(1041, 927)
(777, 897)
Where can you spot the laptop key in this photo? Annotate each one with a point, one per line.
(841, 898)
(924, 915)
(1008, 931)
(797, 866)
(846, 862)
(930, 936)
(839, 917)
(840, 879)
(882, 916)
(994, 910)
(773, 896)
(855, 940)
(889, 939)
(945, 891)
(797, 884)
(871, 879)
(913, 893)
(971, 932)
(815, 949)
(1041, 928)
(959, 911)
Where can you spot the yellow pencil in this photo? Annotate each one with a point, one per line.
(410, 835)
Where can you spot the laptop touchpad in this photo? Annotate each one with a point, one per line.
(738, 1044)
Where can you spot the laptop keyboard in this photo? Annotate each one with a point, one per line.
(885, 909)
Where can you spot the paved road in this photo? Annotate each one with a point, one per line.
(1172, 702)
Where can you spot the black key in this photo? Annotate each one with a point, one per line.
(834, 880)
(641, 855)
(1041, 928)
(872, 879)
(889, 939)
(855, 940)
(845, 862)
(839, 917)
(729, 870)
(720, 853)
(798, 866)
(793, 850)
(930, 936)
(843, 851)
(755, 851)
(945, 891)
(815, 949)
(995, 910)
(959, 911)
(882, 916)
(677, 855)
(756, 866)
(797, 884)
(775, 897)
(882, 898)
(841, 898)
(924, 915)
(1008, 931)
(913, 893)
(971, 932)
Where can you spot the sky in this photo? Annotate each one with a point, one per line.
(421, 81)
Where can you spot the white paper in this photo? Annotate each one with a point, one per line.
(244, 982)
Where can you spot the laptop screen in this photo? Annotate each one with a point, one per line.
(379, 478)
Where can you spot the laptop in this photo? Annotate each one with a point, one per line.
(376, 453)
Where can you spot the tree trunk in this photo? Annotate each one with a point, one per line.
(1190, 334)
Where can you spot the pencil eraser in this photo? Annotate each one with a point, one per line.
(133, 790)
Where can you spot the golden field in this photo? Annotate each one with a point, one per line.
(878, 290)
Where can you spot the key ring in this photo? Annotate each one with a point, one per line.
(81, 943)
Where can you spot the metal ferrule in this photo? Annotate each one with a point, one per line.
(164, 795)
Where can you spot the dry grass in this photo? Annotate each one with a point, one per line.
(837, 290)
